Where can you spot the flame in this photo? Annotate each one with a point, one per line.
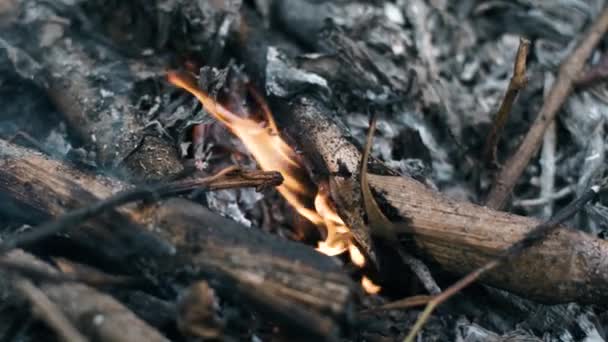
(369, 286)
(271, 152)
(356, 256)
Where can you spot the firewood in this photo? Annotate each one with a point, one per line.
(288, 281)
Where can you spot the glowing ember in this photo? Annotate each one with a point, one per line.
(262, 140)
(369, 286)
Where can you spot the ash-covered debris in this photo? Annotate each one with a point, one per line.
(471, 332)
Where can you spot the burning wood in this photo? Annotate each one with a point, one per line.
(264, 142)
(126, 138)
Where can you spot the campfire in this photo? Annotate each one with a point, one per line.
(310, 170)
(272, 153)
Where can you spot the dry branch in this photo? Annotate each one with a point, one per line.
(530, 239)
(569, 73)
(461, 237)
(287, 281)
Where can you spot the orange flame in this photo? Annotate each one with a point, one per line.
(271, 152)
(369, 286)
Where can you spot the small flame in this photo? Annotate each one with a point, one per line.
(263, 141)
(356, 256)
(369, 286)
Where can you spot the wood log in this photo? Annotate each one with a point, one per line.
(289, 282)
(568, 266)
(98, 315)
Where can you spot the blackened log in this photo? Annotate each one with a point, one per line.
(26, 173)
(287, 281)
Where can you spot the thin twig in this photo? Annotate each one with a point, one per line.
(48, 311)
(32, 141)
(42, 274)
(518, 82)
(405, 303)
(91, 276)
(568, 74)
(535, 202)
(534, 236)
(420, 270)
(230, 177)
(381, 226)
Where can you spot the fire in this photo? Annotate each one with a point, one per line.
(271, 152)
(369, 286)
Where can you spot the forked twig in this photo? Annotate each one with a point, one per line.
(569, 73)
(536, 235)
(518, 82)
